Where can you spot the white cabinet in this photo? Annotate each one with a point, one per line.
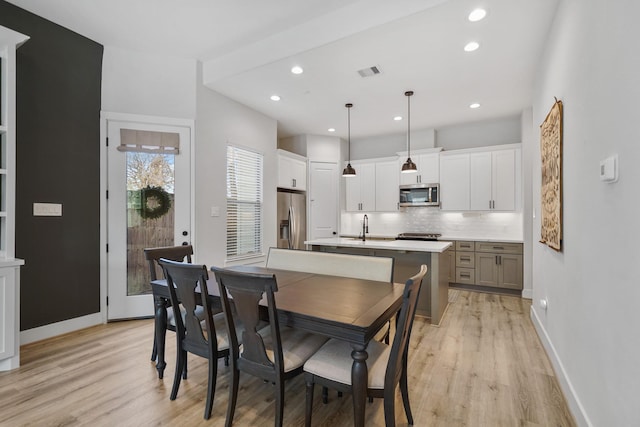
(493, 180)
(292, 171)
(387, 187)
(454, 182)
(428, 169)
(361, 189)
(9, 266)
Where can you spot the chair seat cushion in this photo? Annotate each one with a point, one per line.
(333, 362)
(172, 321)
(297, 346)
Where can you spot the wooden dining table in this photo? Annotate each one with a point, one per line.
(353, 310)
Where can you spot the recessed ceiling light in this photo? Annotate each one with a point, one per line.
(331, 130)
(471, 46)
(474, 105)
(297, 70)
(275, 98)
(477, 15)
(397, 118)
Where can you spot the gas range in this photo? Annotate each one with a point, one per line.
(418, 236)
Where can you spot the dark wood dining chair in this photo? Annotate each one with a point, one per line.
(272, 353)
(387, 364)
(182, 253)
(210, 340)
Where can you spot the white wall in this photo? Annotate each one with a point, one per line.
(146, 84)
(388, 145)
(500, 131)
(590, 328)
(221, 121)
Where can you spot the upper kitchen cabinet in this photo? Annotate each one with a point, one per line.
(494, 180)
(361, 188)
(387, 187)
(454, 182)
(428, 168)
(486, 179)
(292, 171)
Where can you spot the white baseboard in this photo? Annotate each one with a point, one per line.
(59, 328)
(527, 293)
(576, 408)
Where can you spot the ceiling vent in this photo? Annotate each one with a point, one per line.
(369, 71)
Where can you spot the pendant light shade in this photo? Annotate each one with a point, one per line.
(349, 171)
(409, 166)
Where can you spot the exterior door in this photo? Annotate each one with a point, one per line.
(323, 200)
(148, 205)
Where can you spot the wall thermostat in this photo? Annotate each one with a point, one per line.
(609, 169)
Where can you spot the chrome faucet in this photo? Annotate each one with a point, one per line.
(365, 227)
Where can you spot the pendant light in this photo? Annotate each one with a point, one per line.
(409, 166)
(349, 171)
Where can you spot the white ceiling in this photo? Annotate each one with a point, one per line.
(248, 47)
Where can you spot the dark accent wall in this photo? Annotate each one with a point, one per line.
(59, 77)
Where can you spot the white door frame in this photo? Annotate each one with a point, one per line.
(137, 118)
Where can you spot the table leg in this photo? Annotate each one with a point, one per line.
(161, 333)
(359, 382)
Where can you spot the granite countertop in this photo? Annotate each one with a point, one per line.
(393, 245)
(445, 237)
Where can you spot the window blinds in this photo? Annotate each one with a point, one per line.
(244, 203)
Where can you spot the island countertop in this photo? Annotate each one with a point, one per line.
(393, 245)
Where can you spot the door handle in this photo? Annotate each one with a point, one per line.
(290, 226)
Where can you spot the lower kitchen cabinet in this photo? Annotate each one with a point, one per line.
(489, 264)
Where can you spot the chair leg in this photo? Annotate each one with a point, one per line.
(280, 403)
(184, 371)
(309, 401)
(325, 395)
(390, 409)
(404, 390)
(211, 387)
(154, 351)
(180, 362)
(233, 395)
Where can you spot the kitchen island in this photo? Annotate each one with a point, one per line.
(408, 255)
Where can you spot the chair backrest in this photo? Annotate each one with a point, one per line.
(247, 289)
(398, 355)
(333, 264)
(173, 253)
(182, 281)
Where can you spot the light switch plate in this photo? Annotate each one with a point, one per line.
(609, 169)
(215, 211)
(47, 209)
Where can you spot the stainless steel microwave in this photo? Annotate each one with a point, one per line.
(420, 195)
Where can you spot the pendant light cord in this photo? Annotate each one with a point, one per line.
(409, 93)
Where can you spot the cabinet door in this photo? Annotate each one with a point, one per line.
(486, 269)
(429, 168)
(504, 180)
(387, 187)
(480, 183)
(510, 271)
(452, 265)
(299, 174)
(367, 173)
(352, 192)
(360, 190)
(454, 182)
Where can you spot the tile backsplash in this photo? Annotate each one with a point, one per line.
(454, 225)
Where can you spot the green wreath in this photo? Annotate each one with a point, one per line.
(161, 202)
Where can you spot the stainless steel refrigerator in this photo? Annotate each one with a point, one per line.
(292, 219)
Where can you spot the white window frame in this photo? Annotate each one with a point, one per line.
(259, 190)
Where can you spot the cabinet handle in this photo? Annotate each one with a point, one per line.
(499, 248)
(467, 275)
(465, 258)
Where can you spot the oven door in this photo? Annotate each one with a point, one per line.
(420, 195)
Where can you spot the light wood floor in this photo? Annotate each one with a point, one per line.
(483, 367)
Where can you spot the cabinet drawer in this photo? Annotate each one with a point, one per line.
(499, 248)
(464, 246)
(465, 259)
(466, 276)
